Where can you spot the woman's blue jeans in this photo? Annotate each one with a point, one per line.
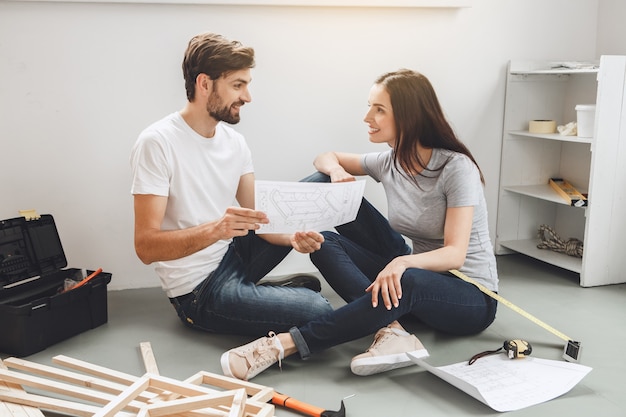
(351, 259)
(229, 301)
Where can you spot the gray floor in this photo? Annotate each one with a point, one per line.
(594, 316)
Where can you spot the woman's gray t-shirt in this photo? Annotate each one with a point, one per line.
(419, 212)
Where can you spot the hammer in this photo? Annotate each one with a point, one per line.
(304, 408)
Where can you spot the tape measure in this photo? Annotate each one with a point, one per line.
(572, 348)
(514, 349)
(517, 348)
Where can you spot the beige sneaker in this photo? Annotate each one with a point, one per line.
(389, 351)
(247, 361)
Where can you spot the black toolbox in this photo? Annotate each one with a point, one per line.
(35, 310)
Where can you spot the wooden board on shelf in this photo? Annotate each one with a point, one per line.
(540, 191)
(568, 192)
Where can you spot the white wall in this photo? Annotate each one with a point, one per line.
(79, 81)
(611, 28)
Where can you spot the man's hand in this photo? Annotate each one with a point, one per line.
(307, 242)
(237, 221)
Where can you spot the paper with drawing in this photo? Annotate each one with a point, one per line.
(506, 385)
(304, 206)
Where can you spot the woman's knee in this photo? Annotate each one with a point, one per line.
(331, 239)
(330, 244)
(316, 177)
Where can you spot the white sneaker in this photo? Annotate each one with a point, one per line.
(389, 351)
(247, 361)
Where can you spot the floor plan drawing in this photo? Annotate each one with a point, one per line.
(303, 206)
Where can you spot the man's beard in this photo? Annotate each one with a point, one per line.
(221, 114)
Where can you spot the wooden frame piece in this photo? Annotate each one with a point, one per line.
(72, 377)
(259, 395)
(91, 369)
(257, 404)
(12, 409)
(102, 392)
(236, 399)
(34, 402)
(219, 399)
(72, 391)
(148, 358)
(255, 392)
(257, 407)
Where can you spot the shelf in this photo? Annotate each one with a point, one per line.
(540, 191)
(552, 90)
(557, 67)
(550, 136)
(529, 248)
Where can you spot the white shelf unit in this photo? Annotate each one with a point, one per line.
(595, 166)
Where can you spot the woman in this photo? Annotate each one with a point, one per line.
(435, 197)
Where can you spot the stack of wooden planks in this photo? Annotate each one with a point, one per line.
(82, 389)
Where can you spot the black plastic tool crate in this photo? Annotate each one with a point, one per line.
(35, 312)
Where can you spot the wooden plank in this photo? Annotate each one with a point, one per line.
(251, 408)
(568, 192)
(256, 392)
(125, 398)
(234, 399)
(12, 409)
(48, 403)
(71, 377)
(167, 384)
(109, 380)
(71, 391)
(91, 369)
(149, 360)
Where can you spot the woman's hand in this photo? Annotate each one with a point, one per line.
(341, 175)
(307, 242)
(387, 284)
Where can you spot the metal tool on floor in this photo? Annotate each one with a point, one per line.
(514, 349)
(572, 349)
(304, 408)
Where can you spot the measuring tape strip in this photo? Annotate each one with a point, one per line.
(511, 305)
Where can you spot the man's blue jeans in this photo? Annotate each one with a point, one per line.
(351, 259)
(229, 301)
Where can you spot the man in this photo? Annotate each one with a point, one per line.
(193, 187)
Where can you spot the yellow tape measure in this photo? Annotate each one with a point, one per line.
(572, 348)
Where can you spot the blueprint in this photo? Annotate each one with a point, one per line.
(510, 384)
(306, 206)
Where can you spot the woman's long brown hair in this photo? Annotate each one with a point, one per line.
(419, 119)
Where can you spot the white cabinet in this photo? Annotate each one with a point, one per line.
(596, 166)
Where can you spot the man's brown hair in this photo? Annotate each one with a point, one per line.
(213, 55)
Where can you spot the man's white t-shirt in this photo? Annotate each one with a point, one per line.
(200, 177)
